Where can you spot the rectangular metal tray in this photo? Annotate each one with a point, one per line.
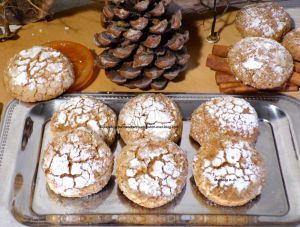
(31, 203)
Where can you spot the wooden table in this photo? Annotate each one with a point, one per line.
(80, 25)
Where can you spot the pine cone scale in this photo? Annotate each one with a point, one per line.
(152, 41)
(159, 84)
(141, 83)
(115, 77)
(142, 5)
(142, 60)
(153, 73)
(140, 23)
(127, 71)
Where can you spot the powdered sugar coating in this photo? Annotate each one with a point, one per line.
(268, 20)
(151, 172)
(38, 73)
(150, 115)
(292, 43)
(261, 63)
(77, 164)
(86, 112)
(240, 174)
(229, 172)
(224, 117)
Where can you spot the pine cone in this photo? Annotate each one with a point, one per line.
(145, 44)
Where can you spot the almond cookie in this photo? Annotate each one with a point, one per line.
(224, 117)
(229, 173)
(88, 113)
(37, 74)
(151, 172)
(292, 43)
(77, 164)
(153, 115)
(260, 62)
(267, 20)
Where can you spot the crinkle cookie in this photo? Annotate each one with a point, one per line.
(86, 112)
(268, 20)
(292, 43)
(151, 172)
(77, 164)
(229, 173)
(150, 115)
(224, 117)
(37, 74)
(260, 62)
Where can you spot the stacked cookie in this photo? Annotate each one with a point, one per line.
(227, 169)
(259, 60)
(292, 43)
(151, 168)
(78, 162)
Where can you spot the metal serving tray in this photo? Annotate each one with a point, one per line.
(25, 133)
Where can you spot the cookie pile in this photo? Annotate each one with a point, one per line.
(259, 62)
(228, 170)
(78, 162)
(151, 168)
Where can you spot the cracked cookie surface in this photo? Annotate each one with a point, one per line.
(229, 173)
(77, 164)
(267, 20)
(38, 74)
(150, 115)
(260, 62)
(151, 172)
(86, 112)
(224, 117)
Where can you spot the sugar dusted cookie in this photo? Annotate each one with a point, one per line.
(37, 74)
(229, 173)
(268, 20)
(150, 115)
(77, 164)
(224, 117)
(151, 172)
(292, 43)
(261, 63)
(88, 113)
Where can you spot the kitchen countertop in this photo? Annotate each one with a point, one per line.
(80, 25)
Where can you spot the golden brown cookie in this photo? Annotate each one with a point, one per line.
(229, 173)
(151, 172)
(260, 62)
(77, 164)
(224, 117)
(150, 115)
(37, 74)
(86, 112)
(292, 43)
(268, 20)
